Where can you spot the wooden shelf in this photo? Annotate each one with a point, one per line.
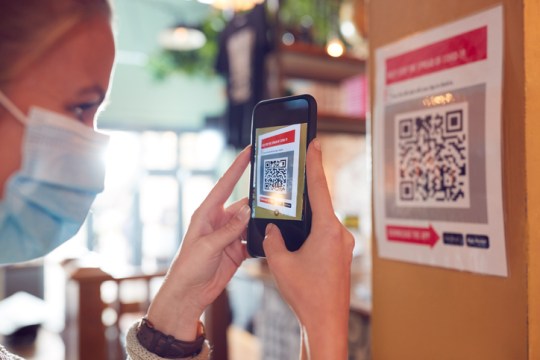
(333, 122)
(304, 61)
(309, 62)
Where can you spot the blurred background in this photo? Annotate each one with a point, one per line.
(186, 78)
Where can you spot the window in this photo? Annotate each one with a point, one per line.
(155, 180)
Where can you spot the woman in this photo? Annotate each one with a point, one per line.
(55, 64)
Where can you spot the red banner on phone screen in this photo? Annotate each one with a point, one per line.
(280, 139)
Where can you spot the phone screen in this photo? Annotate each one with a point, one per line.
(281, 131)
(279, 177)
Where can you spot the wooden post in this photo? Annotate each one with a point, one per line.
(217, 321)
(85, 307)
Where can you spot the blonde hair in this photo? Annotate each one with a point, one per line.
(29, 27)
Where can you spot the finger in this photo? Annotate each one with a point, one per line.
(232, 209)
(235, 252)
(231, 231)
(245, 252)
(199, 222)
(273, 243)
(235, 206)
(319, 196)
(225, 185)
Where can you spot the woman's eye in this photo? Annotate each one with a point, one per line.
(81, 110)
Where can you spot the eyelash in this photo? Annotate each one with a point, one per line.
(79, 109)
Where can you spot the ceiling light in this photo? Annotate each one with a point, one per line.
(182, 38)
(237, 5)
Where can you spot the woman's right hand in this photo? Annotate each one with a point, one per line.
(209, 256)
(315, 280)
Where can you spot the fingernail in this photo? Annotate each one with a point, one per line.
(268, 230)
(243, 213)
(317, 144)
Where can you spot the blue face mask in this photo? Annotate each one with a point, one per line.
(46, 201)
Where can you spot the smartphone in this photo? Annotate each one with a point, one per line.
(281, 131)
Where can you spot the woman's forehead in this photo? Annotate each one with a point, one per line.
(86, 53)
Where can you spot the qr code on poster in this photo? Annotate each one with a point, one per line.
(275, 175)
(432, 164)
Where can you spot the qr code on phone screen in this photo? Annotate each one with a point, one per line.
(275, 175)
(432, 164)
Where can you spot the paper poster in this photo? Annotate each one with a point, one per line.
(437, 147)
(279, 181)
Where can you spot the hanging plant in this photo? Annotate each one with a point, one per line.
(191, 62)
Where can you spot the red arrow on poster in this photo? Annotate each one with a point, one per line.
(413, 235)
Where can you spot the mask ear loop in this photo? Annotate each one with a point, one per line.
(14, 110)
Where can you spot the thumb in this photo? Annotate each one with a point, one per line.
(232, 230)
(273, 243)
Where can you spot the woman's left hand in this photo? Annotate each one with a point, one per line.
(210, 254)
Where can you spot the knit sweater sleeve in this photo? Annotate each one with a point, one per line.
(136, 351)
(5, 355)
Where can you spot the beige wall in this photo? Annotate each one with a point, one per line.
(422, 312)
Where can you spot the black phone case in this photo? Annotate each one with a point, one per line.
(294, 232)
